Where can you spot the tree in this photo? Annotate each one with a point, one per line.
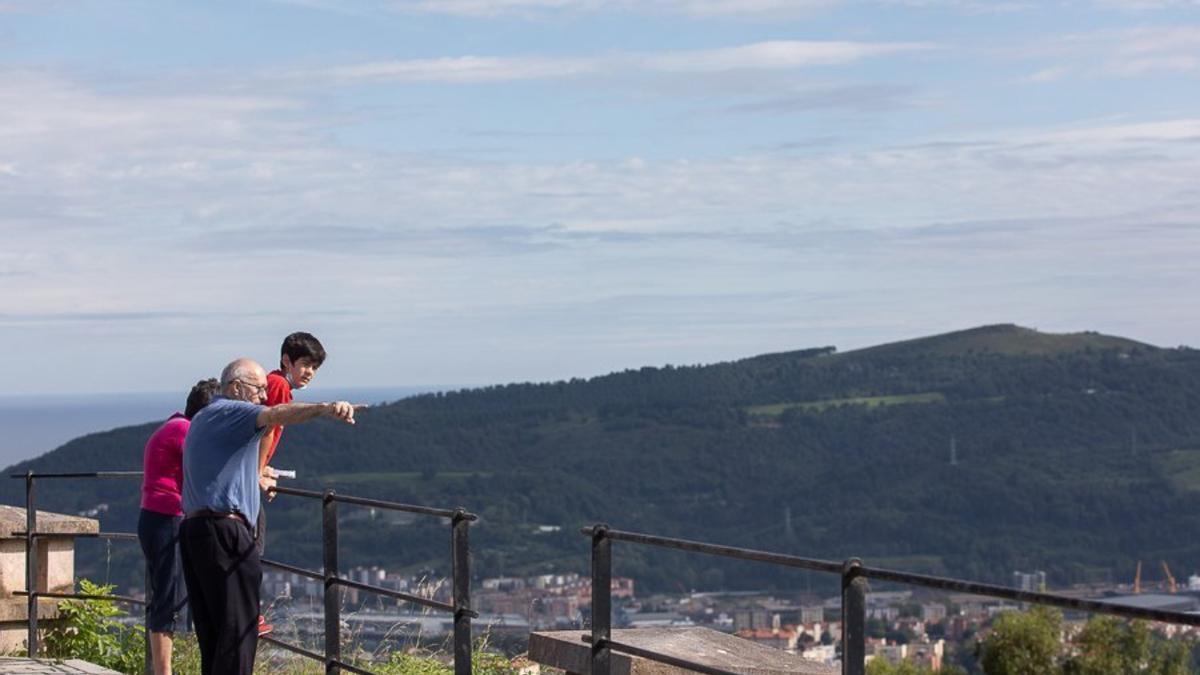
(881, 666)
(1107, 646)
(1023, 643)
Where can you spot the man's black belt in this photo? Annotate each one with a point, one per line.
(209, 513)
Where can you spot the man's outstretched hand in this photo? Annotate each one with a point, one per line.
(344, 411)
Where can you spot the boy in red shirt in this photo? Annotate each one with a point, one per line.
(299, 358)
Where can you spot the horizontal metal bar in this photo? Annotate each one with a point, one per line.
(717, 549)
(377, 503)
(347, 666)
(401, 595)
(292, 648)
(296, 492)
(83, 596)
(660, 658)
(1096, 606)
(84, 474)
(944, 583)
(294, 570)
(411, 508)
(123, 536)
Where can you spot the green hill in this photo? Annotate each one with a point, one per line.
(1006, 339)
(1077, 454)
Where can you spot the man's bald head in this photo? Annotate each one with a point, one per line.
(245, 380)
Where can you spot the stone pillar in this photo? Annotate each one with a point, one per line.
(55, 566)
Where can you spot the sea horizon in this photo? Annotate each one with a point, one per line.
(33, 425)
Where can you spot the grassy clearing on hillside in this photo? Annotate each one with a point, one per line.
(1182, 469)
(1005, 339)
(776, 409)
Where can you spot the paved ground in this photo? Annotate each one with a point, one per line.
(14, 666)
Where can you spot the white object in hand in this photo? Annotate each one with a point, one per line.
(282, 473)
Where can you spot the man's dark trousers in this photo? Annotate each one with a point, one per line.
(223, 572)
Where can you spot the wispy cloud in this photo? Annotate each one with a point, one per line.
(155, 212)
(490, 8)
(698, 8)
(863, 98)
(1047, 75)
(1148, 4)
(1129, 52)
(773, 55)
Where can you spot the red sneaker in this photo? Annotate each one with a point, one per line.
(264, 628)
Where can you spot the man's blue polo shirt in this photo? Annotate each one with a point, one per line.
(220, 458)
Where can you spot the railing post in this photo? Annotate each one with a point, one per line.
(601, 601)
(854, 619)
(31, 566)
(460, 559)
(333, 601)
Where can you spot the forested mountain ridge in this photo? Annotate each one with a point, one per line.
(1078, 454)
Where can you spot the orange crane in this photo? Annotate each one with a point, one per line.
(1171, 585)
(1137, 579)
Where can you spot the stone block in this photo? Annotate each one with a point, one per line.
(55, 567)
(569, 651)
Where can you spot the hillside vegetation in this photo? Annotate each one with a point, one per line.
(1077, 454)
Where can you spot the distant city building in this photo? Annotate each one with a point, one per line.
(812, 614)
(933, 612)
(883, 612)
(1030, 581)
(752, 618)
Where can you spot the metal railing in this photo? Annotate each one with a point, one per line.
(854, 577)
(460, 608)
(460, 521)
(31, 536)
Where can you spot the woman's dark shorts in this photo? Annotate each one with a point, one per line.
(159, 534)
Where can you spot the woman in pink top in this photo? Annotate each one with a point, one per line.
(158, 524)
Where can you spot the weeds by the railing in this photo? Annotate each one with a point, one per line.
(89, 630)
(395, 653)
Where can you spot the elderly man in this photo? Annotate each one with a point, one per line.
(221, 499)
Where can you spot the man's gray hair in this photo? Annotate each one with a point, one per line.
(236, 370)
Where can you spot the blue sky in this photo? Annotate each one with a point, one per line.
(480, 191)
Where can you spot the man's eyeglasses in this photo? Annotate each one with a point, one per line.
(258, 388)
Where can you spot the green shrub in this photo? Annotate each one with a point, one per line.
(88, 630)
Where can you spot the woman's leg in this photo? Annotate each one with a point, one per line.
(160, 653)
(159, 536)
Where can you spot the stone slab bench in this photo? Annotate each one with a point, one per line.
(19, 666)
(567, 650)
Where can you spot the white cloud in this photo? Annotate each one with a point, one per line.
(1051, 74)
(772, 55)
(486, 8)
(724, 9)
(779, 54)
(1128, 52)
(176, 204)
(1148, 4)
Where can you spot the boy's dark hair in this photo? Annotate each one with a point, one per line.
(299, 345)
(201, 395)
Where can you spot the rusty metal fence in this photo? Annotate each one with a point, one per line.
(854, 576)
(459, 519)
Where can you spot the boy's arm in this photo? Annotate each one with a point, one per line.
(295, 413)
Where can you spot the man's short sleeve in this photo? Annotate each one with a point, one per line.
(241, 418)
